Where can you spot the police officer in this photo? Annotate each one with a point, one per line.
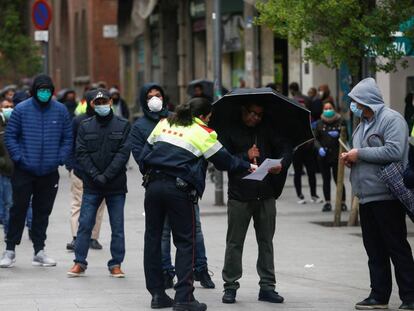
(174, 160)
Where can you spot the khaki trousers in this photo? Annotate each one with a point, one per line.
(77, 191)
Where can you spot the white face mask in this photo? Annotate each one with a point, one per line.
(321, 93)
(155, 104)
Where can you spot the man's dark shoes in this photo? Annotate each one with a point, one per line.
(71, 246)
(94, 244)
(371, 304)
(161, 300)
(229, 296)
(327, 207)
(270, 296)
(189, 306)
(204, 278)
(407, 306)
(168, 280)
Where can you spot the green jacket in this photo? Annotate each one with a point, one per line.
(6, 164)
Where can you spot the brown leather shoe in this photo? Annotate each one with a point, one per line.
(116, 272)
(76, 271)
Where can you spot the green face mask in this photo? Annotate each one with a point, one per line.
(44, 95)
(329, 113)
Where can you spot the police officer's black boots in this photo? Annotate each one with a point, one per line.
(161, 300)
(189, 306)
(204, 278)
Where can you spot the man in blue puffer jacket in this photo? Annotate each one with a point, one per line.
(39, 139)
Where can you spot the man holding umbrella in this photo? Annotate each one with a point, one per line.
(246, 120)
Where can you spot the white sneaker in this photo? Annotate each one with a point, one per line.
(316, 200)
(8, 259)
(301, 199)
(42, 260)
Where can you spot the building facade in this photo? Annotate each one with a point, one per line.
(171, 42)
(82, 43)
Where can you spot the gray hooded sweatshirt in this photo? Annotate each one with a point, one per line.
(380, 141)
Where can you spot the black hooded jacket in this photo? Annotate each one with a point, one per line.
(42, 81)
(238, 140)
(143, 127)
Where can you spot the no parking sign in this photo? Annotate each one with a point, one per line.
(41, 14)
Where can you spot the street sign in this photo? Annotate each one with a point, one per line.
(110, 31)
(41, 35)
(41, 14)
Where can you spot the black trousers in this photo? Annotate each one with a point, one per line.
(44, 190)
(326, 169)
(307, 158)
(384, 233)
(163, 198)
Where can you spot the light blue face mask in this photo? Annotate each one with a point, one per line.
(7, 112)
(103, 110)
(355, 110)
(44, 95)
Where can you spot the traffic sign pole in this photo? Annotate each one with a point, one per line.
(46, 57)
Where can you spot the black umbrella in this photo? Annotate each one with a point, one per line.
(207, 85)
(287, 117)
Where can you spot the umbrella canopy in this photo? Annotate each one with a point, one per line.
(207, 85)
(287, 117)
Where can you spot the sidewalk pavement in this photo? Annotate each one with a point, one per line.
(317, 267)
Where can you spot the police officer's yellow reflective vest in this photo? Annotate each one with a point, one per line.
(197, 138)
(81, 107)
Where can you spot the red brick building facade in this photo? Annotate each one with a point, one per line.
(80, 51)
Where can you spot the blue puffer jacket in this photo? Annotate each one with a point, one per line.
(143, 127)
(39, 138)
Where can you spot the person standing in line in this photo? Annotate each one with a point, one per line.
(304, 155)
(381, 138)
(119, 105)
(75, 170)
(39, 139)
(6, 167)
(327, 134)
(102, 149)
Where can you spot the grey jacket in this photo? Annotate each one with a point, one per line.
(380, 141)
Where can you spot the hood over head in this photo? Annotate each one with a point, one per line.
(42, 81)
(143, 101)
(367, 93)
(61, 95)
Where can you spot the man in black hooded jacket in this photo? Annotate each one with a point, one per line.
(254, 141)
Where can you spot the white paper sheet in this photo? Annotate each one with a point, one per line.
(263, 169)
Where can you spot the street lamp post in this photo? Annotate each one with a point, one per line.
(216, 16)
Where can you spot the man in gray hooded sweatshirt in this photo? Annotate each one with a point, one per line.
(380, 139)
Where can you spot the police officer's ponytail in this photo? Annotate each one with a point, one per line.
(184, 113)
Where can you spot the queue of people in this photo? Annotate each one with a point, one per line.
(172, 151)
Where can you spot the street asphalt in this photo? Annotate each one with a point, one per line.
(317, 267)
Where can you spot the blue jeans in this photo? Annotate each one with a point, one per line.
(6, 201)
(87, 217)
(200, 250)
